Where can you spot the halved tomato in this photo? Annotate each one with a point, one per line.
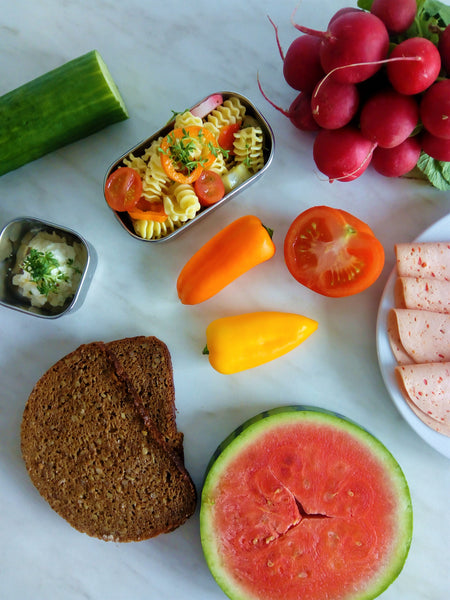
(123, 189)
(332, 252)
(209, 188)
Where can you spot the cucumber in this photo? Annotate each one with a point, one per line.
(62, 106)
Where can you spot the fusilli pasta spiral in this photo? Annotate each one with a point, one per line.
(248, 147)
(219, 165)
(231, 111)
(182, 203)
(153, 230)
(187, 119)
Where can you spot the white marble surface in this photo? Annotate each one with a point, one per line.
(167, 55)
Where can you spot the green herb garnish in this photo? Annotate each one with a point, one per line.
(248, 159)
(181, 151)
(41, 266)
(70, 263)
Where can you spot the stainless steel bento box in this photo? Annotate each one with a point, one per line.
(138, 150)
(11, 238)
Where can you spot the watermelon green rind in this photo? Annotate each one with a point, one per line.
(248, 431)
(57, 108)
(263, 415)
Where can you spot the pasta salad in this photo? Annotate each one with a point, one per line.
(198, 162)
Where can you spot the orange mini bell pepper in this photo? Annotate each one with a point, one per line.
(245, 341)
(237, 248)
(153, 211)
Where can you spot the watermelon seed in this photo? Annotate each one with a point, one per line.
(333, 534)
(303, 574)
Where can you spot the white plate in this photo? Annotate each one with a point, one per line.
(438, 232)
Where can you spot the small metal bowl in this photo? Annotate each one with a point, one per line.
(138, 150)
(11, 238)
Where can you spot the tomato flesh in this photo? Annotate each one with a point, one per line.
(226, 135)
(123, 189)
(209, 188)
(332, 252)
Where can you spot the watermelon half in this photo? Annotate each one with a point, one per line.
(302, 503)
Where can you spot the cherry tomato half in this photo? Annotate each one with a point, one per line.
(123, 189)
(332, 252)
(209, 188)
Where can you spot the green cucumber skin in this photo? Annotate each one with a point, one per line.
(57, 108)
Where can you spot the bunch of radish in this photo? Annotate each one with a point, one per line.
(371, 94)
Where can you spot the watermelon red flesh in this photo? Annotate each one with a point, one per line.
(305, 505)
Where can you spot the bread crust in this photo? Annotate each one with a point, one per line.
(96, 454)
(146, 362)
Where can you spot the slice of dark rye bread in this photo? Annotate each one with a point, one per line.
(148, 364)
(95, 453)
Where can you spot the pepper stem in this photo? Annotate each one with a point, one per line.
(269, 231)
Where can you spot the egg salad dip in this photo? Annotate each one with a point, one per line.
(47, 269)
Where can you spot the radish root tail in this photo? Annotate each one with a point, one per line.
(367, 158)
(281, 110)
(280, 49)
(364, 64)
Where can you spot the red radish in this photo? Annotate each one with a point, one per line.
(301, 64)
(342, 154)
(206, 106)
(388, 118)
(436, 147)
(435, 109)
(354, 37)
(444, 49)
(397, 161)
(299, 113)
(343, 11)
(398, 16)
(334, 104)
(414, 76)
(302, 68)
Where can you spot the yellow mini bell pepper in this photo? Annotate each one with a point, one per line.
(245, 341)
